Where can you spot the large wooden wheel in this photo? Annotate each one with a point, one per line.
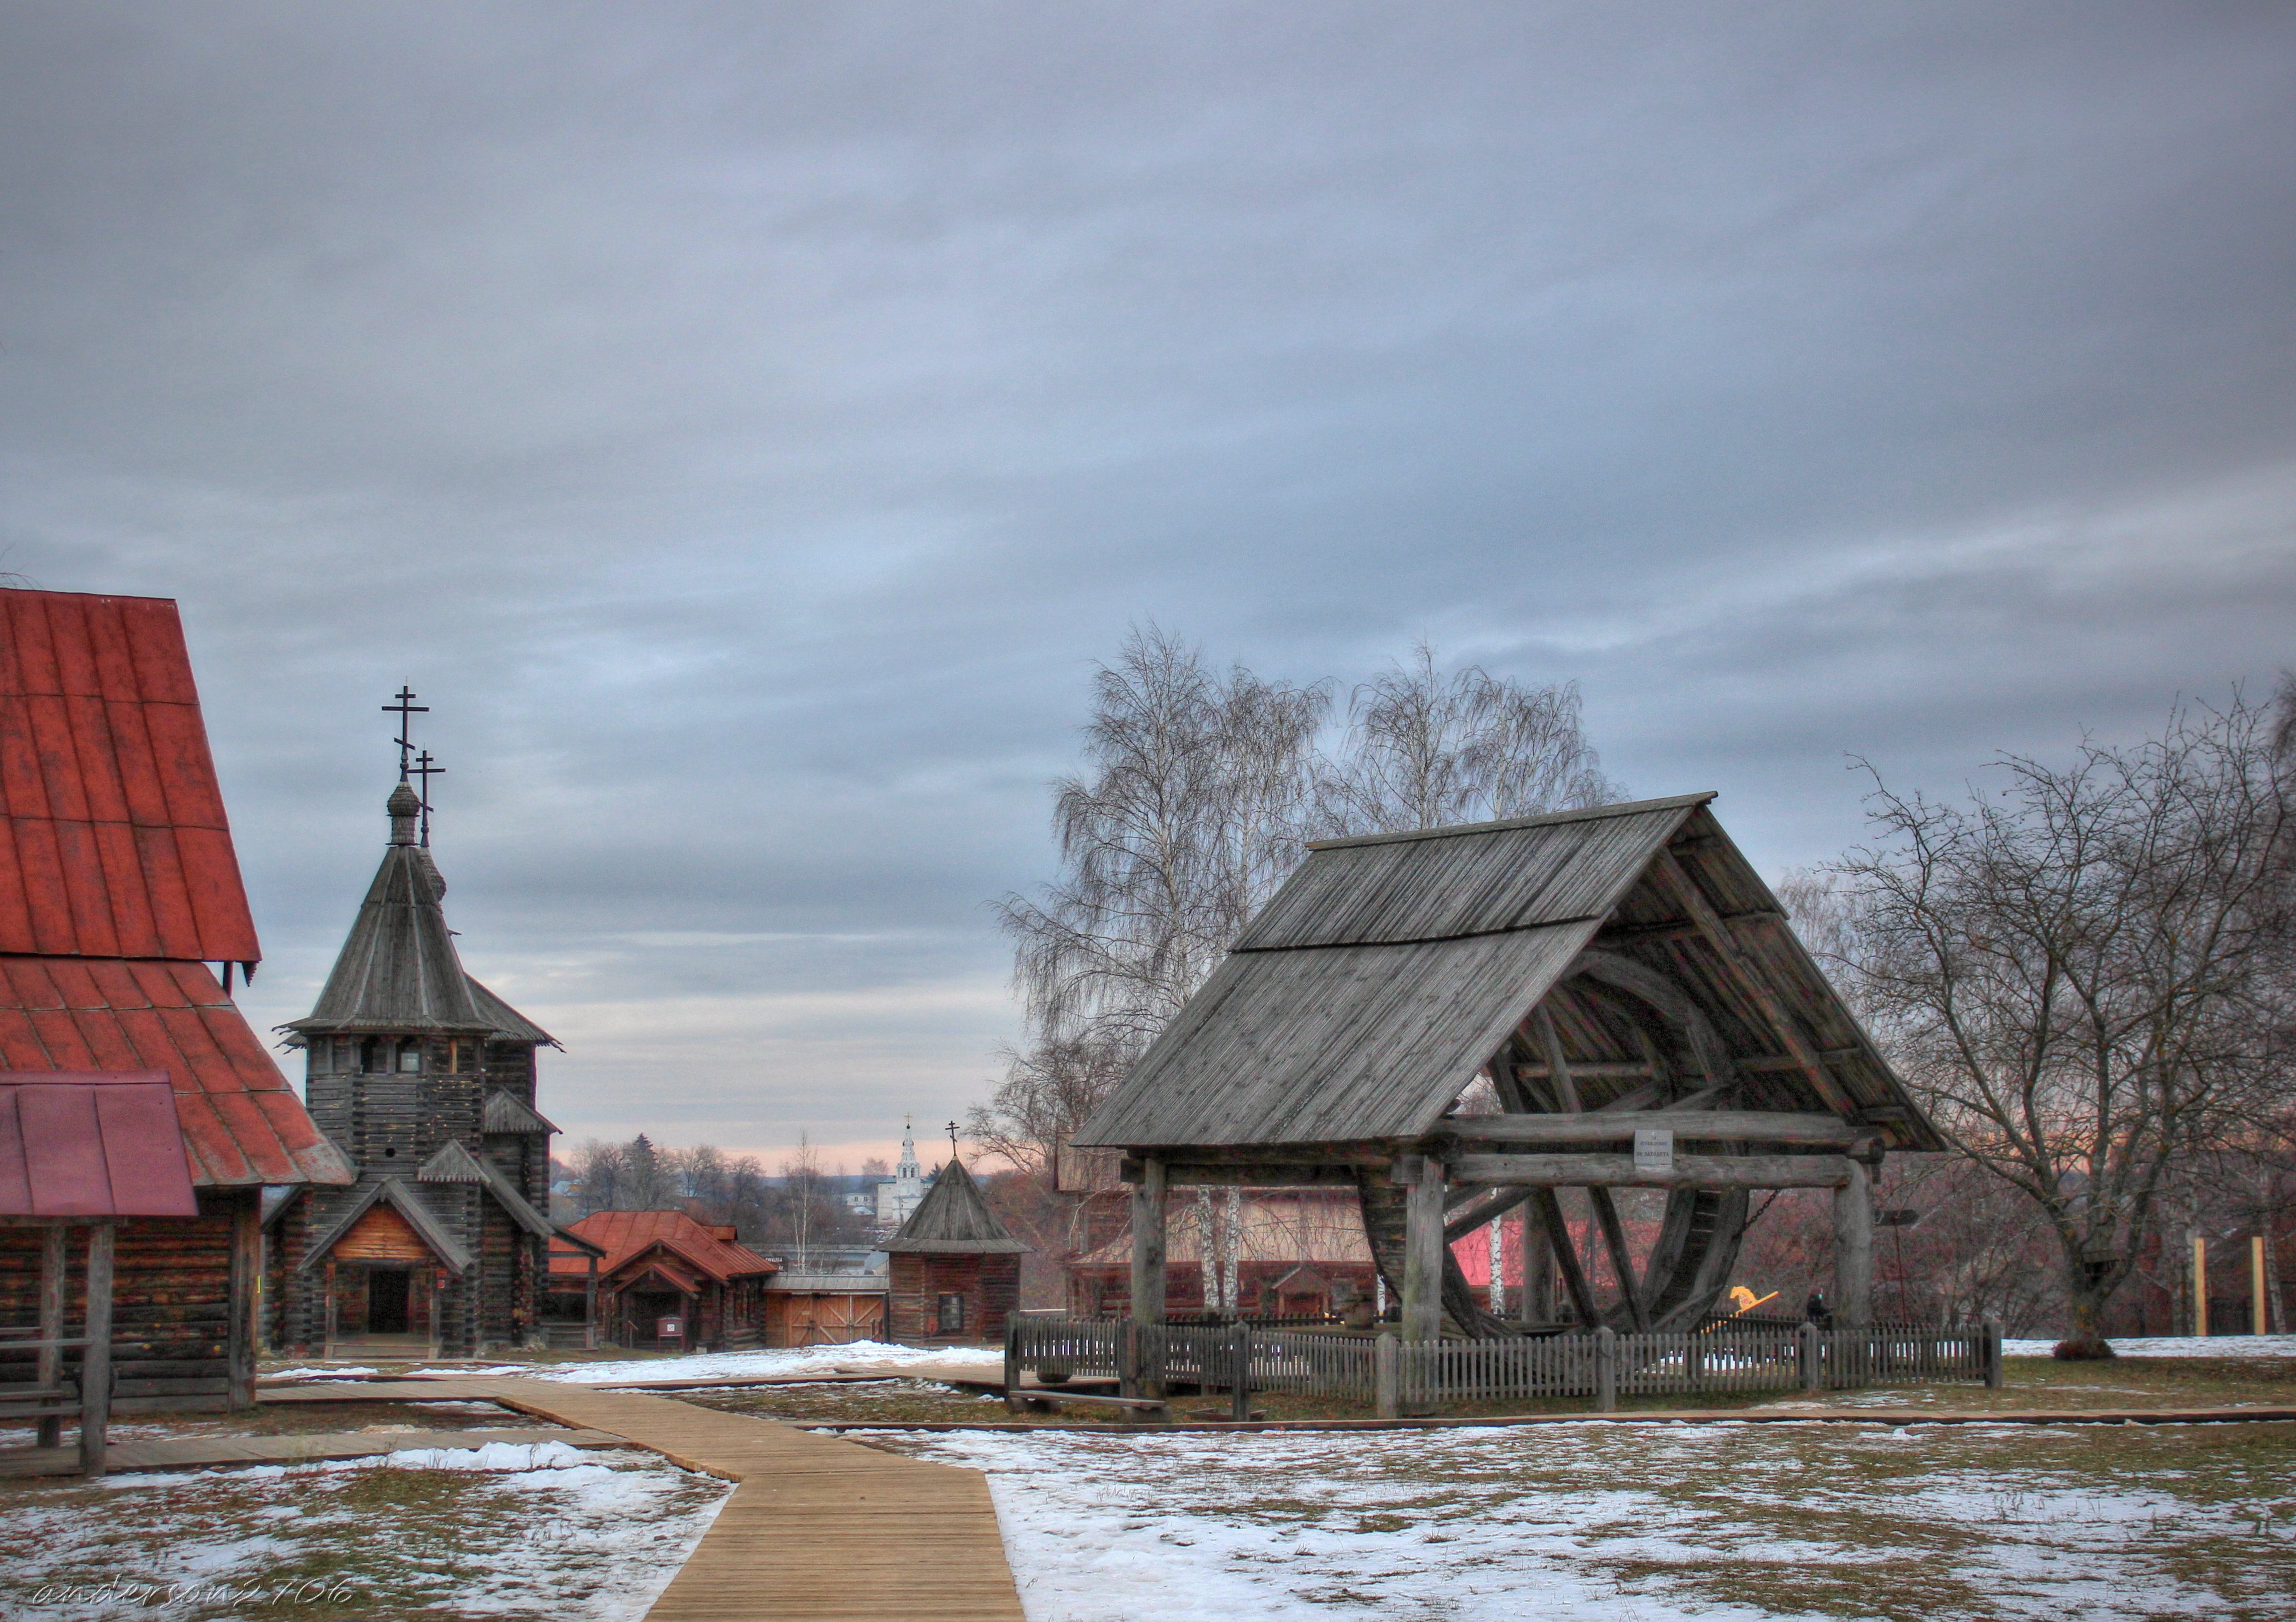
(1615, 1005)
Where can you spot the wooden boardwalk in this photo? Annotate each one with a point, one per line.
(309, 1447)
(817, 1528)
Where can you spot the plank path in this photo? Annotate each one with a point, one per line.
(817, 1527)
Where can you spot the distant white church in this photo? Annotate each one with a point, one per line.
(907, 1189)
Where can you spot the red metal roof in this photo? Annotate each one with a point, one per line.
(114, 841)
(627, 1234)
(240, 1121)
(74, 1143)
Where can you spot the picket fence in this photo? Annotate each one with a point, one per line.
(1720, 1358)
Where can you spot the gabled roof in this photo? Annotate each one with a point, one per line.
(503, 1113)
(241, 1124)
(953, 1219)
(452, 1163)
(91, 1145)
(403, 1200)
(398, 970)
(114, 841)
(1388, 970)
(628, 1234)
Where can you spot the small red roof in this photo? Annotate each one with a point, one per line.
(114, 841)
(76, 1143)
(629, 1234)
(240, 1123)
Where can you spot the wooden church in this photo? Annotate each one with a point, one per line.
(955, 1269)
(426, 1079)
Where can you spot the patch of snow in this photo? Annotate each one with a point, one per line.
(865, 1355)
(1564, 1522)
(2173, 1345)
(321, 1373)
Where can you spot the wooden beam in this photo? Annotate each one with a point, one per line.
(1622, 1260)
(1853, 1249)
(1690, 1171)
(48, 1366)
(95, 1356)
(1148, 1244)
(1423, 1255)
(1566, 1254)
(1501, 1201)
(1558, 1068)
(1245, 1174)
(246, 1268)
(1749, 979)
(1696, 1126)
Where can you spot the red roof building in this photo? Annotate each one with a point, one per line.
(119, 890)
(661, 1265)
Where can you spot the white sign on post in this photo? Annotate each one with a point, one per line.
(1653, 1152)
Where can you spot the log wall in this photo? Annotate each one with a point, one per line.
(183, 1305)
(989, 1286)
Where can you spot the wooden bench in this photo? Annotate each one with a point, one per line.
(1130, 1408)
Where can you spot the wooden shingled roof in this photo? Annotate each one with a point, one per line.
(398, 971)
(954, 1219)
(119, 886)
(1367, 996)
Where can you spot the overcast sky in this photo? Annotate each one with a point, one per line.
(746, 426)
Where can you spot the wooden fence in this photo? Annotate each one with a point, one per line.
(1409, 1376)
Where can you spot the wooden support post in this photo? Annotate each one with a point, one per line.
(1128, 1358)
(246, 1271)
(1238, 1390)
(1537, 1303)
(95, 1357)
(1574, 1273)
(1148, 1251)
(55, 1260)
(1622, 1260)
(1422, 1254)
(438, 1306)
(1013, 1364)
(1606, 1369)
(590, 1308)
(1387, 1375)
(327, 1342)
(2256, 1324)
(2200, 1286)
(1994, 1377)
(1853, 1249)
(1806, 1349)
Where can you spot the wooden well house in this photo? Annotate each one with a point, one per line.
(1632, 993)
(122, 921)
(954, 1271)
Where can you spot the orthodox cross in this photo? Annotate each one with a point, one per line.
(423, 769)
(405, 710)
(952, 1140)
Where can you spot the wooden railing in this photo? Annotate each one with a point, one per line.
(1406, 1376)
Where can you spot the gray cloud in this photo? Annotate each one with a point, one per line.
(746, 424)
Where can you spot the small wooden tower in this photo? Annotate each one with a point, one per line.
(426, 1080)
(955, 1273)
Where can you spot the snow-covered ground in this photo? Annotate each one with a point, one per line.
(2175, 1345)
(511, 1530)
(718, 1365)
(1637, 1524)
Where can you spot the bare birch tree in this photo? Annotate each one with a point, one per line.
(1190, 810)
(1423, 751)
(2077, 972)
